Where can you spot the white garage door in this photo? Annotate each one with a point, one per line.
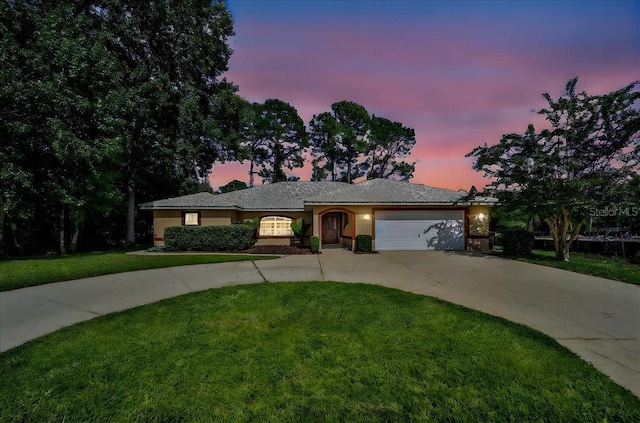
(419, 230)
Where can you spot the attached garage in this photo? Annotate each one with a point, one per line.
(419, 230)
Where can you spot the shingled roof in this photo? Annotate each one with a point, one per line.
(385, 191)
(283, 196)
(201, 200)
(293, 196)
(280, 196)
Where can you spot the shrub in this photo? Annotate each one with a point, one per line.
(363, 243)
(315, 244)
(517, 242)
(254, 224)
(296, 227)
(209, 238)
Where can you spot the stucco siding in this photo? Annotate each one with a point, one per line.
(273, 241)
(215, 217)
(163, 219)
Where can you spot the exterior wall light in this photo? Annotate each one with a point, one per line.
(366, 217)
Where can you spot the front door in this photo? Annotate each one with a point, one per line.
(330, 229)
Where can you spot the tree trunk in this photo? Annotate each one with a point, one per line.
(131, 212)
(560, 225)
(63, 250)
(74, 239)
(251, 174)
(75, 229)
(14, 235)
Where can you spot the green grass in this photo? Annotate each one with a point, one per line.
(296, 352)
(21, 273)
(590, 264)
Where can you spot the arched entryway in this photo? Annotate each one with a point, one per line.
(331, 233)
(337, 228)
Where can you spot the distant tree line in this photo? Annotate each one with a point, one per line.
(110, 103)
(344, 144)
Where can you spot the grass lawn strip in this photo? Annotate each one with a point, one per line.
(22, 273)
(590, 264)
(292, 352)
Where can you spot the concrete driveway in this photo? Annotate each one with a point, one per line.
(597, 318)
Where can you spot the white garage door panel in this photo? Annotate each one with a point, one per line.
(420, 230)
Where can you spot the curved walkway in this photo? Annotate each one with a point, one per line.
(597, 318)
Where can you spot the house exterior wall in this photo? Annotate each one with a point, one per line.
(274, 240)
(360, 221)
(163, 219)
(215, 217)
(478, 224)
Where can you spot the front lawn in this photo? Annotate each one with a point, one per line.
(292, 352)
(21, 273)
(590, 264)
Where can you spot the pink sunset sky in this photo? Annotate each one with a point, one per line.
(461, 73)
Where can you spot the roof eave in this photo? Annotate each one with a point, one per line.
(189, 208)
(280, 209)
(375, 203)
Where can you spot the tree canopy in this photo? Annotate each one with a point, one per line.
(275, 139)
(348, 143)
(561, 173)
(388, 143)
(106, 104)
(234, 185)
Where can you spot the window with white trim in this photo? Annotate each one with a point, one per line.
(275, 226)
(192, 219)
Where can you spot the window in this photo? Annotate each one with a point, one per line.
(192, 219)
(275, 226)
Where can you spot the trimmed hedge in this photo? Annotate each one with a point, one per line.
(363, 243)
(315, 244)
(209, 238)
(517, 242)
